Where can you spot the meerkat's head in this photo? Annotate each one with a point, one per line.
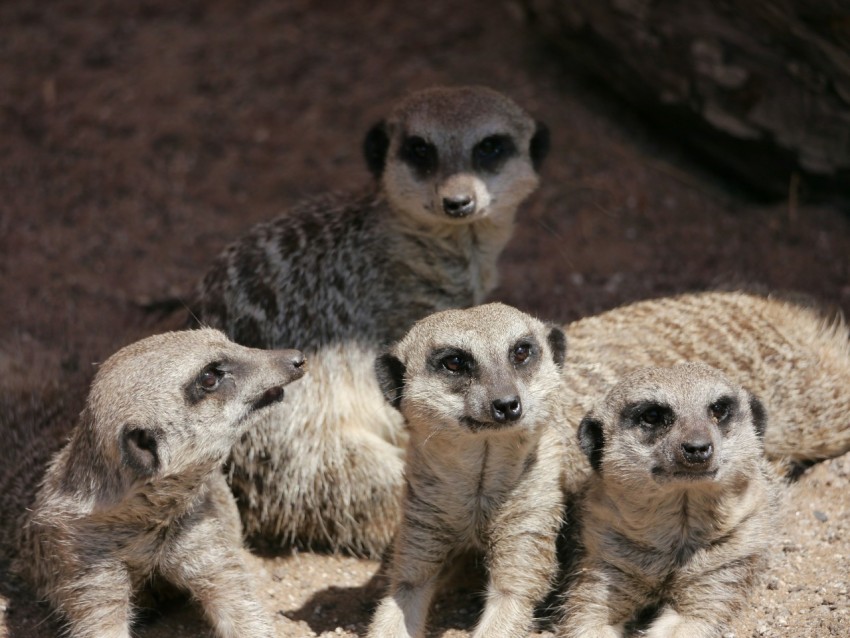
(487, 369)
(457, 155)
(178, 401)
(678, 426)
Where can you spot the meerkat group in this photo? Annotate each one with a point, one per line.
(344, 277)
(457, 425)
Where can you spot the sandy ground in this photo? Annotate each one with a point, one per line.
(137, 139)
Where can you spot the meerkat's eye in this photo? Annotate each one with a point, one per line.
(521, 353)
(654, 415)
(455, 363)
(210, 378)
(720, 410)
(489, 147)
(492, 151)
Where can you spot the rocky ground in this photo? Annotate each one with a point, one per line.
(139, 138)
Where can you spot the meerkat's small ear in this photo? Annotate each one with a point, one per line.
(759, 415)
(375, 148)
(390, 371)
(558, 342)
(140, 449)
(539, 147)
(591, 440)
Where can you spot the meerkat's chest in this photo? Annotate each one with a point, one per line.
(474, 489)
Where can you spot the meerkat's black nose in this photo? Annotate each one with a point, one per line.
(506, 409)
(697, 452)
(459, 206)
(293, 361)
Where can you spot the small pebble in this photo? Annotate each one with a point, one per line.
(823, 518)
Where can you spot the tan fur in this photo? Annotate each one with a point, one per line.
(483, 465)
(345, 276)
(680, 508)
(137, 493)
(793, 359)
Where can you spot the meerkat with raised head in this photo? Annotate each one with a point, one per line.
(680, 508)
(345, 276)
(138, 491)
(483, 467)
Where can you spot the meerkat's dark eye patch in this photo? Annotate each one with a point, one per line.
(649, 414)
(419, 154)
(452, 360)
(492, 152)
(721, 410)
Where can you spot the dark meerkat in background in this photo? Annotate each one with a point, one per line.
(679, 510)
(343, 277)
(484, 464)
(138, 492)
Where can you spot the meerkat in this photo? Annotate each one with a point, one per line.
(795, 360)
(138, 492)
(679, 511)
(345, 276)
(483, 465)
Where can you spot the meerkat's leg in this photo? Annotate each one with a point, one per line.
(670, 624)
(521, 560)
(588, 612)
(97, 604)
(704, 602)
(416, 568)
(213, 572)
(516, 582)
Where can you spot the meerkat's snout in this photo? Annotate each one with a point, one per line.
(463, 195)
(459, 206)
(507, 409)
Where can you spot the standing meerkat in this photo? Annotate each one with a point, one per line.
(680, 508)
(345, 276)
(484, 463)
(138, 493)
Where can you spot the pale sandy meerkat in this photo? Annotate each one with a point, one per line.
(138, 492)
(483, 467)
(343, 277)
(793, 358)
(679, 511)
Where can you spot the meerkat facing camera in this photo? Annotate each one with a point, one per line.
(679, 510)
(343, 277)
(138, 492)
(483, 466)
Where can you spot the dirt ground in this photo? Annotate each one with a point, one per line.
(138, 138)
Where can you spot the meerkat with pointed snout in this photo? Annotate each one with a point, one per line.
(483, 467)
(679, 511)
(138, 492)
(344, 277)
